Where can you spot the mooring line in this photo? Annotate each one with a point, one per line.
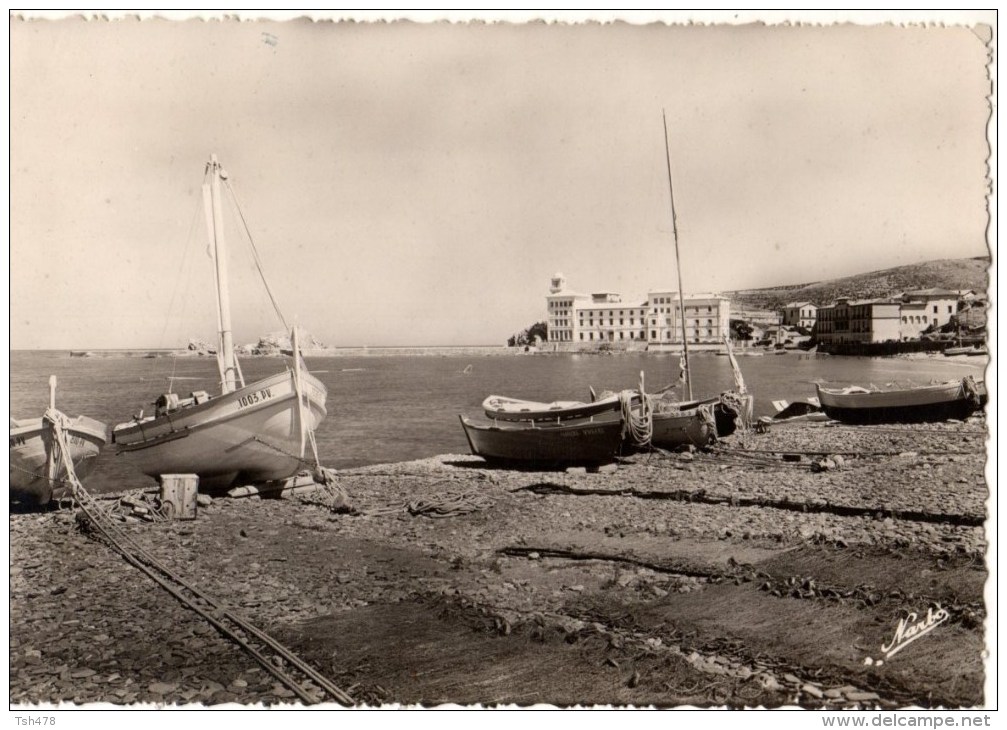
(216, 612)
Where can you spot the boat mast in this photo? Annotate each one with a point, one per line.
(678, 262)
(225, 356)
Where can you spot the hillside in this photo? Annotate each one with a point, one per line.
(943, 273)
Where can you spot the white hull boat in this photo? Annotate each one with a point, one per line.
(502, 408)
(30, 447)
(246, 434)
(35, 470)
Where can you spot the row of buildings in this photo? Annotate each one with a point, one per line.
(877, 320)
(577, 320)
(602, 317)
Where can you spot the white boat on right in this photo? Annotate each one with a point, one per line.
(916, 404)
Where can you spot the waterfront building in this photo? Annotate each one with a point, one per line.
(561, 304)
(603, 317)
(915, 320)
(940, 304)
(799, 314)
(848, 321)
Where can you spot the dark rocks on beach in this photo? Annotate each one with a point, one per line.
(381, 597)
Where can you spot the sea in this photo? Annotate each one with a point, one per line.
(392, 408)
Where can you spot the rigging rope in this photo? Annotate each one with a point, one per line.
(255, 254)
(174, 292)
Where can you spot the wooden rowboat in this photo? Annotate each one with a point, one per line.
(972, 351)
(689, 426)
(502, 408)
(587, 443)
(35, 470)
(953, 399)
(30, 446)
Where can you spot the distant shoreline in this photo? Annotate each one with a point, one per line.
(413, 351)
(436, 350)
(455, 351)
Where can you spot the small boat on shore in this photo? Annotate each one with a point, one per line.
(973, 351)
(502, 408)
(926, 403)
(550, 444)
(684, 424)
(800, 411)
(35, 469)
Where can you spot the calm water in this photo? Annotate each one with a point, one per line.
(391, 408)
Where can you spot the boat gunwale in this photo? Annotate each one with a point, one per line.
(539, 426)
(88, 428)
(130, 428)
(565, 410)
(866, 400)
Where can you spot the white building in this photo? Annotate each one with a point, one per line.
(848, 321)
(939, 304)
(799, 314)
(603, 317)
(561, 304)
(916, 319)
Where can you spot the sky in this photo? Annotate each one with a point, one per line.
(415, 183)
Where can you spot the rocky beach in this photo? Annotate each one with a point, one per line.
(817, 565)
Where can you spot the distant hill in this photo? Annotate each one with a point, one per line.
(943, 273)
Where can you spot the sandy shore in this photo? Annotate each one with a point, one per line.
(731, 577)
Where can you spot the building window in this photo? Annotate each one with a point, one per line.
(643, 334)
(620, 335)
(935, 309)
(949, 309)
(582, 335)
(653, 334)
(590, 335)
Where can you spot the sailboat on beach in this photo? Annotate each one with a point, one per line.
(660, 422)
(529, 431)
(249, 433)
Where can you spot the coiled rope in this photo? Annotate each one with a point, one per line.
(449, 504)
(637, 423)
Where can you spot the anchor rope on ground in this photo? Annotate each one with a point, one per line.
(215, 611)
